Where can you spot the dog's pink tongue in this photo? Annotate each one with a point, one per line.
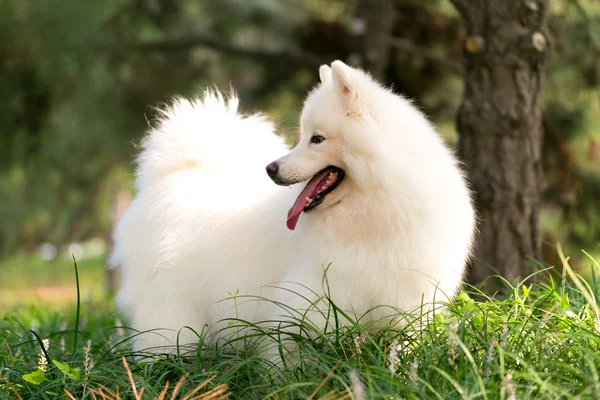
(294, 214)
(296, 210)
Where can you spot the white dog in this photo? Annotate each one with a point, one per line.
(386, 207)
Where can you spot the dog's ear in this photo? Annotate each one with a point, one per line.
(325, 73)
(342, 78)
(345, 83)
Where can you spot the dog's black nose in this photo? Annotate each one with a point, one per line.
(272, 168)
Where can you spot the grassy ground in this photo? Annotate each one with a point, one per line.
(36, 281)
(539, 341)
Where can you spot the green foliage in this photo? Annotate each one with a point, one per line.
(79, 78)
(571, 121)
(540, 341)
(71, 373)
(36, 377)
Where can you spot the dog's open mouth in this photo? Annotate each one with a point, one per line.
(319, 186)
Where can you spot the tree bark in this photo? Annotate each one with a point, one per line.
(372, 27)
(500, 129)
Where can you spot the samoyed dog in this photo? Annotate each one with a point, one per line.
(370, 194)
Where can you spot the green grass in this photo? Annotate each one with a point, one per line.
(19, 272)
(33, 280)
(540, 340)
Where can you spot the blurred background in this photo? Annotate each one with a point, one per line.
(80, 79)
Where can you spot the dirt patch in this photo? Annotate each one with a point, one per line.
(52, 294)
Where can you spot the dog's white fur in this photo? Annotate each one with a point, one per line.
(207, 221)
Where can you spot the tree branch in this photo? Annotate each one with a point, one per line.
(295, 59)
(409, 47)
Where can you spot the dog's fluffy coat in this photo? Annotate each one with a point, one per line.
(207, 221)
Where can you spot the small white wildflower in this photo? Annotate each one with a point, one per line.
(452, 333)
(453, 325)
(509, 386)
(503, 334)
(413, 372)
(490, 355)
(43, 362)
(393, 356)
(120, 330)
(63, 327)
(358, 390)
(358, 340)
(453, 341)
(88, 363)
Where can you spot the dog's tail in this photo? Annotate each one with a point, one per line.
(205, 133)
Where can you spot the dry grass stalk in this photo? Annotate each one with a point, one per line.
(103, 393)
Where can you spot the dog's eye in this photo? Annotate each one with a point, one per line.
(316, 139)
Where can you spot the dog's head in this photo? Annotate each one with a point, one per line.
(335, 127)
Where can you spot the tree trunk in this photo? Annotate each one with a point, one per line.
(372, 27)
(500, 129)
